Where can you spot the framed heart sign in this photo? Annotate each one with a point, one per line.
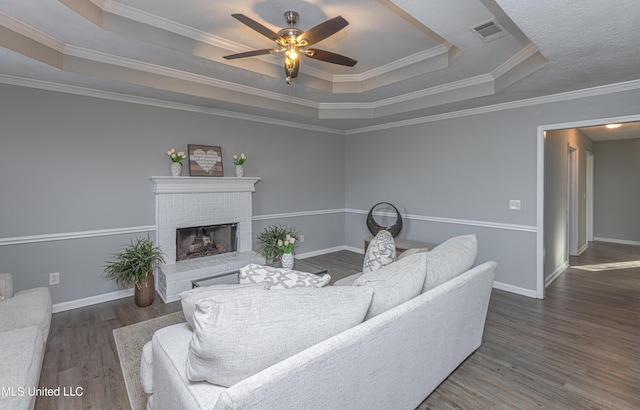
(205, 161)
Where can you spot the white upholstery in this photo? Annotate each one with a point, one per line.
(25, 318)
(392, 361)
(146, 368)
(239, 334)
(190, 297)
(394, 284)
(450, 259)
(6, 286)
(172, 389)
(412, 251)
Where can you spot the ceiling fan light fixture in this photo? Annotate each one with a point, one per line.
(292, 42)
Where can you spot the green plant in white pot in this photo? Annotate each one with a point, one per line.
(268, 241)
(134, 266)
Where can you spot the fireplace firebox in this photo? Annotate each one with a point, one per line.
(200, 241)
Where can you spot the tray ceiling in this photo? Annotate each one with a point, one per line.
(415, 58)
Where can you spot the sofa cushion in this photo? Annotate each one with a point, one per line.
(381, 252)
(31, 307)
(280, 278)
(450, 259)
(22, 353)
(189, 298)
(237, 335)
(394, 284)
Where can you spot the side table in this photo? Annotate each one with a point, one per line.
(401, 244)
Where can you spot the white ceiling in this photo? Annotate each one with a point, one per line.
(416, 58)
(599, 133)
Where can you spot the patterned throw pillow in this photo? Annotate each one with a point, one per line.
(279, 278)
(381, 252)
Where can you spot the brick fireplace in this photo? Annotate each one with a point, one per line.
(197, 202)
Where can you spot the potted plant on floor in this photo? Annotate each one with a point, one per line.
(134, 266)
(268, 246)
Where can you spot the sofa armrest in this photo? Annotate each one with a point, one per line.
(6, 286)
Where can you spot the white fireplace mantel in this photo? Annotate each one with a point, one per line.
(183, 202)
(191, 185)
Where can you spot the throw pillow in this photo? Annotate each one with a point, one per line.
(237, 335)
(450, 259)
(381, 252)
(280, 278)
(189, 298)
(394, 284)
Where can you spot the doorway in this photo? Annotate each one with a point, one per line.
(540, 203)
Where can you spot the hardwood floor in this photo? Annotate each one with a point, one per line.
(579, 348)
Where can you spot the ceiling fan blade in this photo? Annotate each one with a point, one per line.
(265, 31)
(251, 53)
(322, 31)
(329, 57)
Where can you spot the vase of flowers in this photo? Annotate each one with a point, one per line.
(286, 246)
(176, 161)
(271, 242)
(239, 161)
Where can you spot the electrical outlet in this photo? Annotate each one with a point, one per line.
(54, 278)
(515, 204)
(301, 238)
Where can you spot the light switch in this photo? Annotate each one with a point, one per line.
(515, 204)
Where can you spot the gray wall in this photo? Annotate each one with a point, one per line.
(617, 200)
(76, 164)
(467, 168)
(555, 195)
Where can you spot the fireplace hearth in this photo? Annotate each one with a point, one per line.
(201, 241)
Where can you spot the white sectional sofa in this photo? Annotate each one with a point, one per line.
(25, 318)
(392, 360)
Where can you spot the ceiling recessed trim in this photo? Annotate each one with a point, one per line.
(123, 18)
(99, 64)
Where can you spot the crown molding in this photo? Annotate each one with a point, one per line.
(553, 98)
(88, 92)
(131, 13)
(107, 95)
(30, 32)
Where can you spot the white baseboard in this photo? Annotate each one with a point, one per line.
(621, 241)
(354, 249)
(515, 289)
(556, 273)
(583, 248)
(92, 300)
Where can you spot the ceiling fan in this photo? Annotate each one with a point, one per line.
(293, 42)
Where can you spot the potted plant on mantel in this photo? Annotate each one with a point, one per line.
(134, 266)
